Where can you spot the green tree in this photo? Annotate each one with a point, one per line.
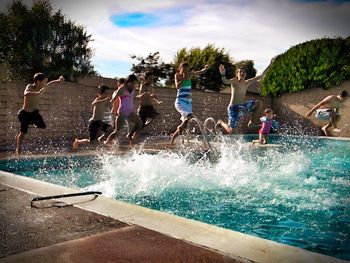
(152, 63)
(197, 58)
(36, 39)
(321, 63)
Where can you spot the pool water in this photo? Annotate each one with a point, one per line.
(296, 194)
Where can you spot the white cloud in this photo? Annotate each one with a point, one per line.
(256, 30)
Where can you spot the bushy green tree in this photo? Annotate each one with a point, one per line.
(152, 63)
(319, 63)
(36, 39)
(197, 58)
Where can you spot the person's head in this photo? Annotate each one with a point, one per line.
(268, 113)
(344, 95)
(131, 81)
(103, 89)
(39, 79)
(240, 73)
(184, 67)
(149, 76)
(121, 82)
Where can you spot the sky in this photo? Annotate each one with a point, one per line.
(256, 30)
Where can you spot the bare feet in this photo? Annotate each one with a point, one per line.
(325, 131)
(337, 130)
(18, 151)
(175, 134)
(75, 144)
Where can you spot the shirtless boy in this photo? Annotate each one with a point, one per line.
(29, 114)
(328, 110)
(238, 106)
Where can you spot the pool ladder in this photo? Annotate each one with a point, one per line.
(203, 127)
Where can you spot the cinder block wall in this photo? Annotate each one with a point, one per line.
(62, 108)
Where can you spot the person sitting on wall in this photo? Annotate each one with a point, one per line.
(238, 106)
(328, 110)
(29, 114)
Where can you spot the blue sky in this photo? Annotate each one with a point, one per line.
(247, 29)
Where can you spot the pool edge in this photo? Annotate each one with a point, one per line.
(219, 239)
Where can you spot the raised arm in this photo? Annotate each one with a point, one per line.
(223, 76)
(200, 72)
(260, 77)
(117, 93)
(30, 92)
(98, 100)
(320, 104)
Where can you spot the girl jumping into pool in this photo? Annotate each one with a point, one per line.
(126, 111)
(183, 102)
(268, 122)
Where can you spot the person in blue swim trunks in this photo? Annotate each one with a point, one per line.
(238, 106)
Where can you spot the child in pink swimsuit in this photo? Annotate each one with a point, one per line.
(267, 123)
(126, 110)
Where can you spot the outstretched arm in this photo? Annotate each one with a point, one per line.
(260, 77)
(98, 100)
(200, 72)
(223, 76)
(318, 105)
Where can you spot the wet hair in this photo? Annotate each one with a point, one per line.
(182, 65)
(344, 94)
(102, 88)
(122, 80)
(39, 77)
(130, 78)
(268, 110)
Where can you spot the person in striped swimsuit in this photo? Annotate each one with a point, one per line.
(183, 102)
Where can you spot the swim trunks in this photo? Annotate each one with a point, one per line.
(146, 111)
(235, 112)
(323, 114)
(27, 118)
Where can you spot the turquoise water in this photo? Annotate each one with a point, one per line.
(297, 194)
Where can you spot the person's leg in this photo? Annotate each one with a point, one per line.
(24, 119)
(78, 142)
(335, 118)
(324, 129)
(256, 112)
(119, 122)
(180, 128)
(38, 120)
(225, 126)
(136, 130)
(260, 140)
(19, 141)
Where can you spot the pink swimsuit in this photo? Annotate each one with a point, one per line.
(266, 126)
(126, 105)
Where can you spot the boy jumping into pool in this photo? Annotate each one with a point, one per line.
(328, 110)
(238, 106)
(96, 124)
(29, 114)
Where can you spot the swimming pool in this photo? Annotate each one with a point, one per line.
(297, 194)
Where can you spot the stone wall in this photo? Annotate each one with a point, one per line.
(291, 109)
(66, 109)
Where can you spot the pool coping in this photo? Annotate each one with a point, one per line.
(219, 239)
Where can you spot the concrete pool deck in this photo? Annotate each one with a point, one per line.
(107, 230)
